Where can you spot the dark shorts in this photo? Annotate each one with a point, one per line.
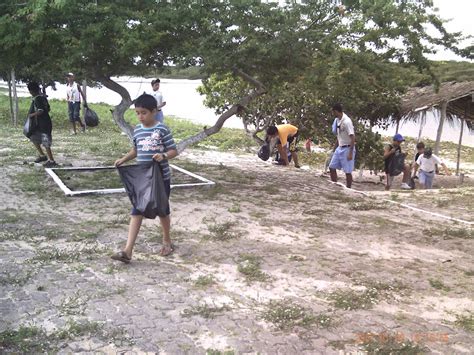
(42, 138)
(74, 109)
(135, 212)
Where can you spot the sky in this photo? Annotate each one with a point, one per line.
(461, 14)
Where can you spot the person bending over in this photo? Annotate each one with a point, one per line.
(282, 134)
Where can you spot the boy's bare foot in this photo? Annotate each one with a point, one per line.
(166, 250)
(121, 256)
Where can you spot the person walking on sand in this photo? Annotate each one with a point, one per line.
(152, 141)
(39, 110)
(160, 102)
(344, 155)
(427, 164)
(280, 135)
(73, 96)
(394, 161)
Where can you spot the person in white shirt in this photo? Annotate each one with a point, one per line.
(427, 164)
(74, 93)
(160, 102)
(344, 155)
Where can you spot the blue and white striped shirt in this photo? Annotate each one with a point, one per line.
(149, 141)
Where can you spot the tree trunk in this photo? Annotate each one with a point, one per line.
(119, 110)
(442, 118)
(10, 97)
(458, 160)
(260, 90)
(422, 123)
(398, 125)
(15, 98)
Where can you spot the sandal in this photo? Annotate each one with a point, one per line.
(121, 256)
(167, 250)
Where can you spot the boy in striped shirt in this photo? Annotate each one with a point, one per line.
(152, 141)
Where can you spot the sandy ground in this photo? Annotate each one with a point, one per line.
(363, 270)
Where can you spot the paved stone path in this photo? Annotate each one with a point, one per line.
(304, 238)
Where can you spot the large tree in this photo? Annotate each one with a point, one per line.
(285, 50)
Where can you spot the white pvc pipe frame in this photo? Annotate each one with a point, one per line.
(365, 193)
(68, 192)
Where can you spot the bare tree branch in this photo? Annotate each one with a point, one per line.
(234, 109)
(119, 110)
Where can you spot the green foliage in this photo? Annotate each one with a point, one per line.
(369, 148)
(286, 315)
(465, 321)
(249, 265)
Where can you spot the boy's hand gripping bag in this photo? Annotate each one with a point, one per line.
(145, 188)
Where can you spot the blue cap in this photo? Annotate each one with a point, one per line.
(398, 138)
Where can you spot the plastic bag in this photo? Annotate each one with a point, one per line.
(397, 164)
(145, 188)
(91, 118)
(264, 152)
(31, 124)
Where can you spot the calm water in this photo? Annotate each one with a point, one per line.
(184, 101)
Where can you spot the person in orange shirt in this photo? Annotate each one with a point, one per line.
(282, 134)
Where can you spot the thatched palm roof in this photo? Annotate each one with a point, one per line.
(458, 95)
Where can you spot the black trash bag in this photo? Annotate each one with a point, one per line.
(31, 124)
(91, 117)
(397, 164)
(145, 188)
(264, 152)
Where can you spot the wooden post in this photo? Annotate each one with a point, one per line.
(459, 147)
(398, 125)
(422, 123)
(458, 161)
(442, 118)
(15, 98)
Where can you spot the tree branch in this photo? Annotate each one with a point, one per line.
(119, 110)
(260, 90)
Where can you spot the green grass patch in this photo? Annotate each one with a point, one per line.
(204, 281)
(349, 299)
(18, 279)
(450, 233)
(26, 340)
(219, 352)
(341, 197)
(204, 311)
(285, 315)
(222, 231)
(388, 344)
(439, 285)
(90, 179)
(465, 321)
(366, 206)
(235, 208)
(250, 267)
(372, 293)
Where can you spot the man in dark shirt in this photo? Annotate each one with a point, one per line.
(39, 111)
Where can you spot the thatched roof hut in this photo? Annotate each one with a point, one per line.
(458, 97)
(452, 99)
